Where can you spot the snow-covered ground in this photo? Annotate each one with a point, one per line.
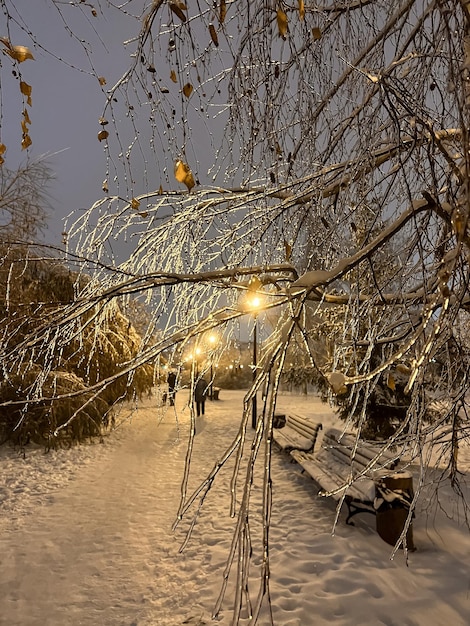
(86, 536)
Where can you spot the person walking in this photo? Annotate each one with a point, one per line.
(200, 394)
(171, 380)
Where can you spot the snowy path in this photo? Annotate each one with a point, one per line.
(86, 539)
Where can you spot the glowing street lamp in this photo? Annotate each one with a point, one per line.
(254, 303)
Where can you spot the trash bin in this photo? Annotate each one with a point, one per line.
(393, 497)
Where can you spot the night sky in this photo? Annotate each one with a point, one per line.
(66, 102)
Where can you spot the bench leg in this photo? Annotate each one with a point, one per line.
(355, 507)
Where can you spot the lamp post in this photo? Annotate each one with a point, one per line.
(212, 339)
(254, 303)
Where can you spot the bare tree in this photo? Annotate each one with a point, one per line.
(322, 148)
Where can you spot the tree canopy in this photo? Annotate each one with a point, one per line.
(319, 147)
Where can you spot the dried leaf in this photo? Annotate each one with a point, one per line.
(178, 8)
(188, 90)
(160, 191)
(301, 9)
(19, 53)
(102, 80)
(222, 11)
(26, 116)
(135, 204)
(213, 34)
(3, 148)
(102, 135)
(103, 121)
(337, 382)
(288, 249)
(173, 76)
(2, 160)
(183, 174)
(391, 382)
(26, 142)
(282, 23)
(26, 90)
(316, 33)
(105, 186)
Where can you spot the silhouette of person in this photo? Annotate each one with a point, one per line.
(200, 394)
(171, 380)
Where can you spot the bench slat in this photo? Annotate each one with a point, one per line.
(332, 469)
(298, 433)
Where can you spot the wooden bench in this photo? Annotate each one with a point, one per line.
(295, 432)
(215, 393)
(346, 472)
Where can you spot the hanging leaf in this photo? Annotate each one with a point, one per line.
(26, 116)
(160, 190)
(102, 135)
(282, 23)
(26, 142)
(188, 90)
(183, 174)
(102, 80)
(173, 76)
(3, 149)
(135, 204)
(26, 90)
(103, 121)
(301, 9)
(337, 382)
(178, 8)
(316, 33)
(222, 11)
(288, 250)
(105, 186)
(213, 34)
(19, 53)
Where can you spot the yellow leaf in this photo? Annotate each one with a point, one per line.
(337, 382)
(135, 204)
(19, 53)
(3, 148)
(2, 160)
(26, 116)
(183, 174)
(178, 8)
(391, 382)
(160, 191)
(301, 9)
(282, 23)
(102, 80)
(24, 127)
(173, 76)
(25, 89)
(222, 11)
(103, 134)
(188, 90)
(316, 32)
(213, 34)
(26, 142)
